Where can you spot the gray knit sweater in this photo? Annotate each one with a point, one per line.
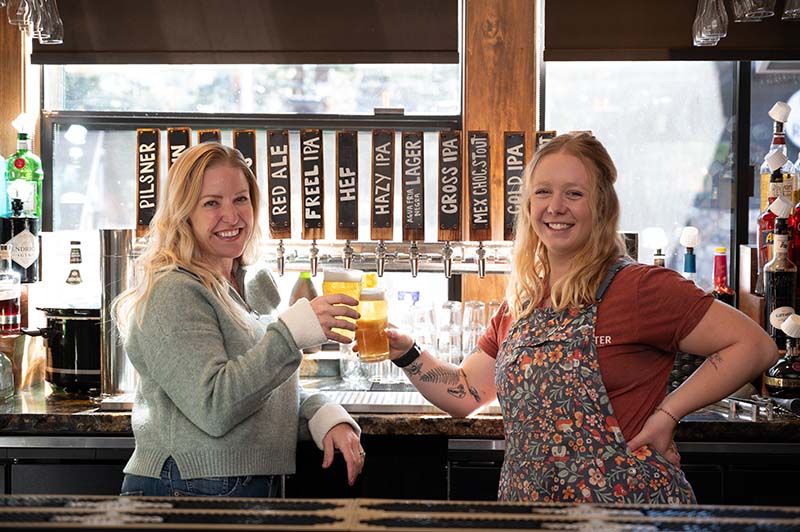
(220, 399)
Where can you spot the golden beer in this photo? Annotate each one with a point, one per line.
(341, 281)
(373, 344)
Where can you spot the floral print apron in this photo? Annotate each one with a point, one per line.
(563, 442)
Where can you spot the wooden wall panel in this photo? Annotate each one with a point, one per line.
(12, 83)
(499, 91)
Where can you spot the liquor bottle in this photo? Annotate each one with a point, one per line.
(24, 175)
(690, 239)
(659, 259)
(779, 114)
(721, 290)
(783, 379)
(6, 377)
(780, 284)
(304, 287)
(766, 220)
(75, 260)
(22, 233)
(10, 292)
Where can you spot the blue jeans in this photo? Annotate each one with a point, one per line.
(171, 484)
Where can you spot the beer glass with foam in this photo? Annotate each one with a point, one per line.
(341, 281)
(373, 344)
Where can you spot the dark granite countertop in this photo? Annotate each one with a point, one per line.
(33, 413)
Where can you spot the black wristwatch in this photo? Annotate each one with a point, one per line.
(410, 356)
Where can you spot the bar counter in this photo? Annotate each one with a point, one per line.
(30, 413)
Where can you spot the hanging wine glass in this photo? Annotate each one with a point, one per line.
(706, 25)
(55, 24)
(760, 9)
(19, 13)
(791, 10)
(39, 22)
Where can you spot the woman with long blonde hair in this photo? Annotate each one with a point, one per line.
(579, 354)
(218, 406)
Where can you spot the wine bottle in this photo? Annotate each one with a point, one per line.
(10, 293)
(22, 233)
(304, 287)
(721, 290)
(780, 284)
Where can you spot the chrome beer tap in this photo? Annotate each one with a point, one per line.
(347, 255)
(481, 253)
(281, 261)
(447, 259)
(413, 256)
(380, 258)
(313, 257)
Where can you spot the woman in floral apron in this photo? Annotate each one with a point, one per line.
(579, 355)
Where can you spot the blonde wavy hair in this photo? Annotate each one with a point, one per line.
(171, 242)
(527, 287)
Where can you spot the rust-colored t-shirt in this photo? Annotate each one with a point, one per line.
(643, 316)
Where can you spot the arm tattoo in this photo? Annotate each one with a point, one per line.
(443, 375)
(414, 369)
(472, 391)
(457, 391)
(714, 359)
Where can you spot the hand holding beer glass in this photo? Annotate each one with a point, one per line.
(341, 281)
(373, 344)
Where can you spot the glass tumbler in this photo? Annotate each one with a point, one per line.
(473, 327)
(448, 331)
(341, 281)
(423, 326)
(373, 344)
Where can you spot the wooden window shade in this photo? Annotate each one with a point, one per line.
(629, 30)
(254, 32)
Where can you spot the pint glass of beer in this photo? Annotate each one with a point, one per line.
(341, 281)
(373, 344)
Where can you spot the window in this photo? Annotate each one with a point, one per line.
(669, 128)
(95, 110)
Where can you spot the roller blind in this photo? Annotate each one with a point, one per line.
(255, 32)
(620, 30)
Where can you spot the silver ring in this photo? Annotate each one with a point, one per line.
(362, 453)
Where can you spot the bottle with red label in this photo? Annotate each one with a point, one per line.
(722, 290)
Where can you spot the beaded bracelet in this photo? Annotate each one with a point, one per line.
(659, 409)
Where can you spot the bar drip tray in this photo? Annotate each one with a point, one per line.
(117, 403)
(388, 398)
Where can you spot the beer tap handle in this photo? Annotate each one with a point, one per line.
(447, 259)
(413, 256)
(280, 258)
(380, 258)
(481, 253)
(313, 257)
(347, 255)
